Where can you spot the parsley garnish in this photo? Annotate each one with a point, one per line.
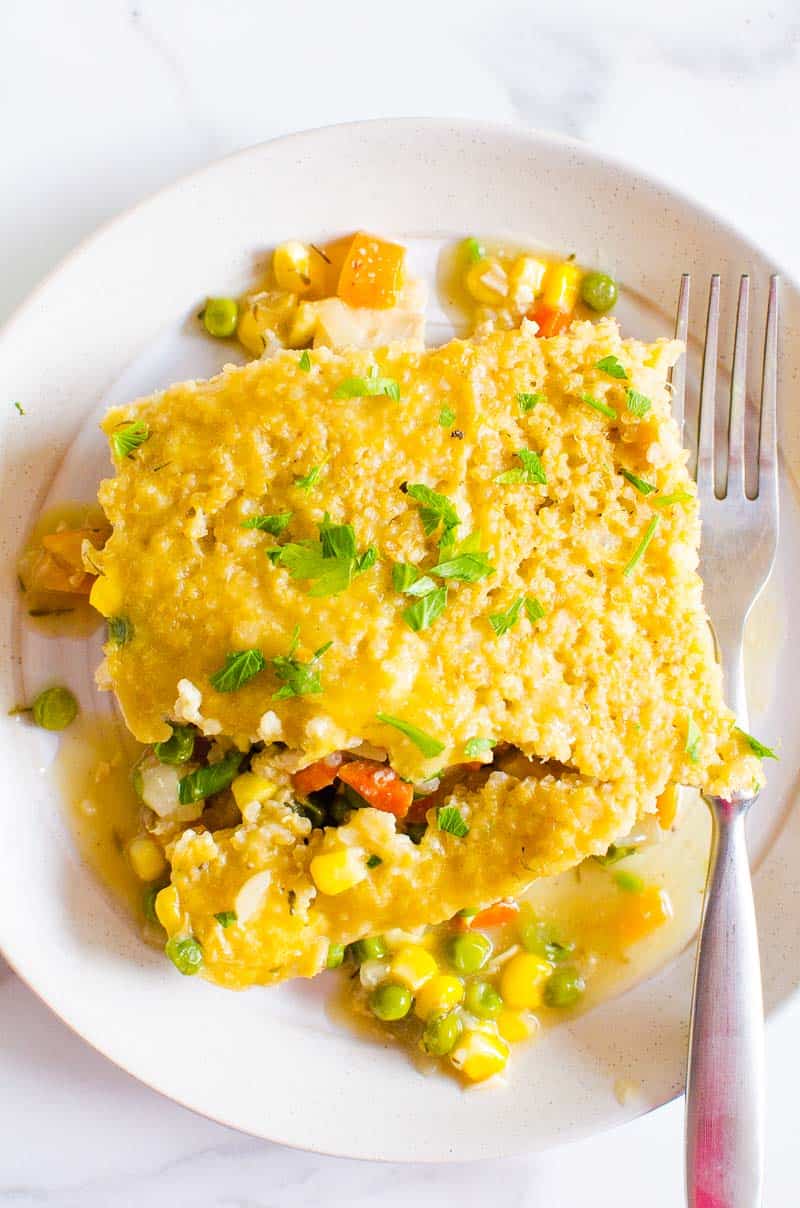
(639, 552)
(435, 510)
(665, 501)
(128, 437)
(332, 562)
(533, 609)
(614, 854)
(430, 747)
(425, 610)
(612, 367)
(467, 566)
(501, 622)
(20, 408)
(755, 746)
(373, 861)
(274, 524)
(368, 387)
(120, 630)
(603, 408)
(447, 416)
(638, 404)
(531, 471)
(305, 362)
(693, 740)
(411, 581)
(527, 402)
(298, 679)
(448, 818)
(476, 746)
(240, 666)
(209, 780)
(226, 918)
(473, 250)
(308, 481)
(644, 488)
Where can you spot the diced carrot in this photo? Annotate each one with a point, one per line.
(379, 785)
(372, 273)
(643, 913)
(317, 775)
(48, 573)
(667, 806)
(550, 321)
(494, 916)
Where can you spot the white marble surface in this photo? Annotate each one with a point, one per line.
(102, 102)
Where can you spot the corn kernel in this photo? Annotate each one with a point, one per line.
(480, 1055)
(249, 787)
(514, 1026)
(522, 980)
(336, 871)
(106, 596)
(168, 909)
(441, 993)
(486, 280)
(248, 331)
(561, 285)
(146, 858)
(413, 966)
(525, 280)
(642, 913)
(295, 267)
(304, 325)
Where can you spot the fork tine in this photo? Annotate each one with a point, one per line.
(767, 480)
(678, 376)
(708, 392)
(734, 481)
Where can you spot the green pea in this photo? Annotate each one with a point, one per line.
(469, 953)
(220, 317)
(628, 882)
(442, 1033)
(55, 708)
(335, 956)
(599, 291)
(186, 954)
(373, 948)
(390, 1001)
(564, 987)
(537, 937)
(314, 812)
(483, 1000)
(179, 748)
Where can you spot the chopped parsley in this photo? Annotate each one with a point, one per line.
(435, 511)
(430, 747)
(533, 609)
(693, 740)
(226, 918)
(305, 362)
(425, 610)
(755, 746)
(531, 471)
(501, 622)
(644, 488)
(477, 746)
(666, 501)
(330, 563)
(612, 367)
(467, 566)
(603, 408)
(449, 819)
(527, 402)
(473, 250)
(368, 387)
(120, 630)
(373, 861)
(209, 780)
(240, 666)
(641, 548)
(274, 523)
(307, 482)
(447, 417)
(615, 853)
(411, 581)
(20, 408)
(638, 404)
(298, 679)
(128, 437)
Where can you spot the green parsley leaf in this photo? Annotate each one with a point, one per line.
(628, 882)
(638, 404)
(305, 362)
(128, 437)
(474, 747)
(273, 554)
(425, 610)
(533, 609)
(307, 482)
(666, 501)
(20, 408)
(603, 408)
(337, 540)
(644, 488)
(448, 818)
(209, 780)
(331, 563)
(755, 746)
(467, 566)
(240, 666)
(368, 387)
(404, 576)
(612, 367)
(614, 854)
(693, 740)
(226, 918)
(366, 560)
(298, 679)
(373, 861)
(641, 548)
(430, 747)
(501, 622)
(435, 510)
(447, 417)
(274, 524)
(527, 402)
(531, 471)
(120, 630)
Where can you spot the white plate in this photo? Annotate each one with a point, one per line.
(270, 1062)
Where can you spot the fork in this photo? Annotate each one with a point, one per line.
(737, 487)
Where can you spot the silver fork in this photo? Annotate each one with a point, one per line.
(738, 494)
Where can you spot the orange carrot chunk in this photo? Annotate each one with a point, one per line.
(378, 785)
(317, 775)
(494, 916)
(372, 273)
(550, 320)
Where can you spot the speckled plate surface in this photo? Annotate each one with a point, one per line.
(110, 323)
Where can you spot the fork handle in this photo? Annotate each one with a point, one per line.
(725, 1079)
